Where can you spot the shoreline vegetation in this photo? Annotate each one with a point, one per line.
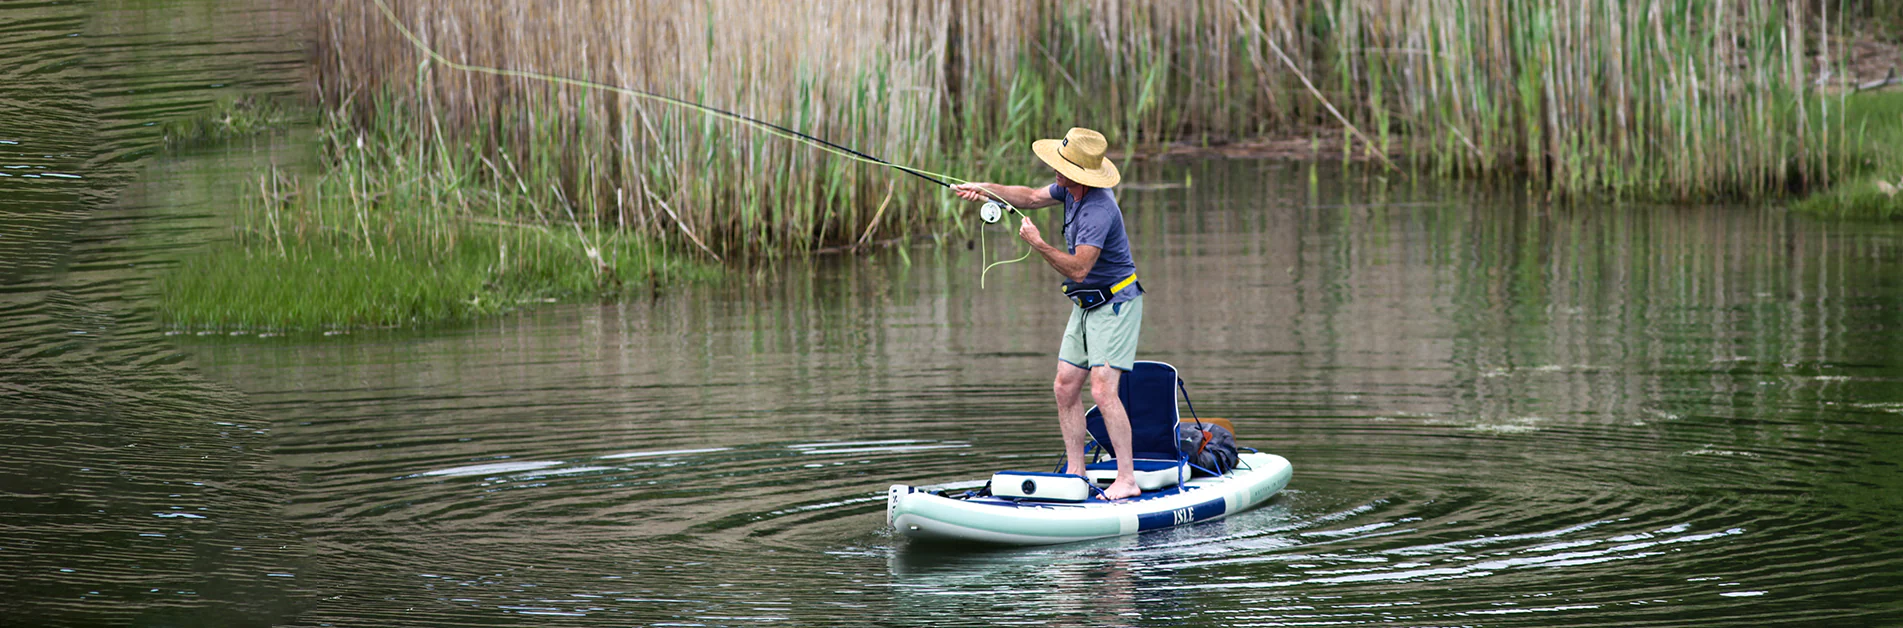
(1872, 186)
(396, 233)
(229, 118)
(456, 195)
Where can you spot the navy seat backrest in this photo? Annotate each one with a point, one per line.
(1148, 392)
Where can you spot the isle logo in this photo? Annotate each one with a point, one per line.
(1180, 516)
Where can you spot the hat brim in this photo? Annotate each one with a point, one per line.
(1104, 176)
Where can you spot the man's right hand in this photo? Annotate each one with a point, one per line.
(971, 192)
(1028, 231)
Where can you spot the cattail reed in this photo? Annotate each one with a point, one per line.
(1678, 99)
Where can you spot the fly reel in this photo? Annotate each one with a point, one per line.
(991, 212)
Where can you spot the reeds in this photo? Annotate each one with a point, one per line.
(1677, 99)
(406, 227)
(956, 87)
(1872, 185)
(1682, 99)
(858, 75)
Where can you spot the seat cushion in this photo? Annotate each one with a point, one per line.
(1151, 474)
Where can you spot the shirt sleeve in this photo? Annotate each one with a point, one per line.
(1091, 227)
(1058, 192)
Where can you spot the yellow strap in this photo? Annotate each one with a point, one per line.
(1123, 284)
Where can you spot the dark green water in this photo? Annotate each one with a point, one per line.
(1500, 413)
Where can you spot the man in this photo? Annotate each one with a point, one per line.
(1100, 277)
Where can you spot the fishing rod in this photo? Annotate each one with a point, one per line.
(991, 212)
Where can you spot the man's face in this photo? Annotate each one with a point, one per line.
(1064, 181)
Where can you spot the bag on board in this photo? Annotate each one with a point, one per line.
(1207, 445)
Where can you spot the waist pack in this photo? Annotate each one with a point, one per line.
(1208, 445)
(1093, 296)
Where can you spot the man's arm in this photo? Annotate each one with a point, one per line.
(1072, 267)
(1018, 196)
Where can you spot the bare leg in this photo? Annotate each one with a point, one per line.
(1070, 414)
(1103, 388)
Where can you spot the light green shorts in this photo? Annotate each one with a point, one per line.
(1103, 336)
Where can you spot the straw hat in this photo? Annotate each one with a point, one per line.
(1079, 156)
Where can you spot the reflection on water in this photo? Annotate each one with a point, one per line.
(1500, 412)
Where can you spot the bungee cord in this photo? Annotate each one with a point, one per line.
(770, 128)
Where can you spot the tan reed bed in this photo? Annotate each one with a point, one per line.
(860, 75)
(1674, 99)
(951, 87)
(1684, 99)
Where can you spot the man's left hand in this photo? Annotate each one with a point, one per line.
(1028, 231)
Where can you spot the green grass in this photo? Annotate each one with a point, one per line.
(1877, 158)
(235, 287)
(403, 229)
(230, 117)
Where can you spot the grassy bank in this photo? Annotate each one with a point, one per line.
(228, 118)
(1873, 183)
(323, 287)
(400, 230)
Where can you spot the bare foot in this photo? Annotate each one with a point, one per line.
(1121, 489)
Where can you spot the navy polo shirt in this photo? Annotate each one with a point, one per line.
(1095, 220)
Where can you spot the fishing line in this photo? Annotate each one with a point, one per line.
(941, 179)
